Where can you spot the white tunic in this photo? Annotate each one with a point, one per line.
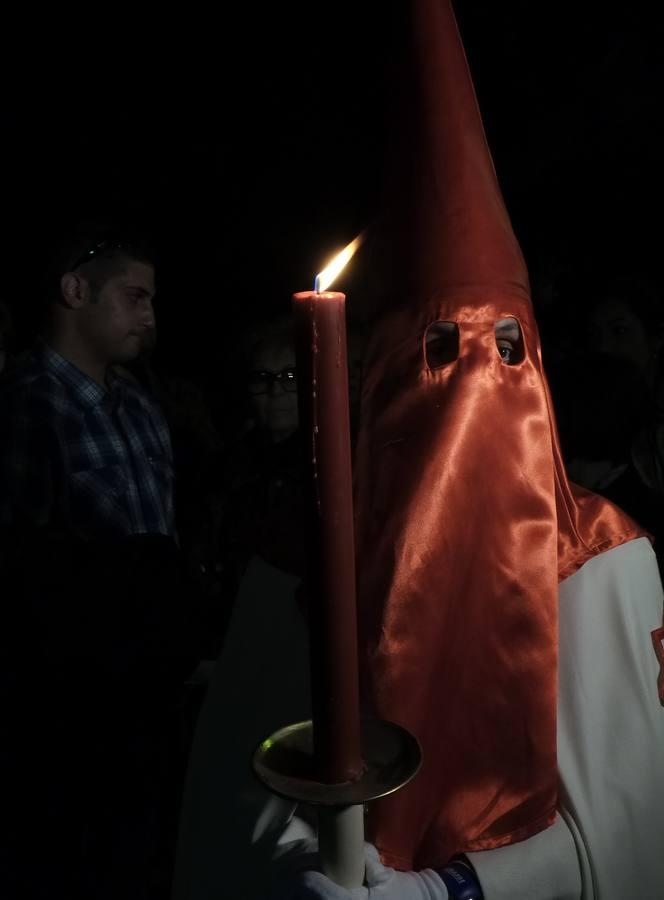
(610, 744)
(608, 842)
(610, 720)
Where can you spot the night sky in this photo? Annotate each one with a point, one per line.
(252, 144)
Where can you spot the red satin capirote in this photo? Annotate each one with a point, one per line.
(465, 518)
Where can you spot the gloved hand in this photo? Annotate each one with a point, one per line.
(382, 883)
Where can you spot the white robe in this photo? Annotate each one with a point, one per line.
(610, 742)
(608, 843)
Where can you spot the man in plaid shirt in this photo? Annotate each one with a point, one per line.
(97, 632)
(85, 451)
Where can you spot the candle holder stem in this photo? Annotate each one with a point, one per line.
(341, 844)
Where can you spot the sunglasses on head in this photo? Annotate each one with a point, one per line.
(99, 248)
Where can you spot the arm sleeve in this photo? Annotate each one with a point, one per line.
(544, 867)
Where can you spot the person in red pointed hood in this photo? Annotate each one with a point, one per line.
(505, 615)
(467, 524)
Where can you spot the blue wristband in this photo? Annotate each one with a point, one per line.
(460, 880)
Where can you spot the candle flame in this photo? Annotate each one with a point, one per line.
(325, 278)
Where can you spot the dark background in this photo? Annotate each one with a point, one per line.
(250, 141)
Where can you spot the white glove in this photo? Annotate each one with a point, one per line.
(381, 884)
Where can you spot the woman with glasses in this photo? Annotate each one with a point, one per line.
(272, 381)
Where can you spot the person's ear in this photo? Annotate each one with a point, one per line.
(75, 290)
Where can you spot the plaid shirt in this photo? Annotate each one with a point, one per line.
(79, 458)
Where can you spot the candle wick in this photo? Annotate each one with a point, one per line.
(317, 284)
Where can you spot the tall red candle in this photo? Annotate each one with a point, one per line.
(322, 374)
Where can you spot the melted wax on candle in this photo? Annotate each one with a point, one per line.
(314, 393)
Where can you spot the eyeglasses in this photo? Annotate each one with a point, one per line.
(261, 382)
(97, 249)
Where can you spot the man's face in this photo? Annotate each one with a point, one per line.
(117, 322)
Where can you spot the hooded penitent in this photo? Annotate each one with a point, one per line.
(466, 521)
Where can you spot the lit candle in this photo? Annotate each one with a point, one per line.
(322, 374)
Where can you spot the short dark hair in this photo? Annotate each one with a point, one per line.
(95, 249)
(106, 261)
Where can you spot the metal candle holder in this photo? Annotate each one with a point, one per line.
(286, 764)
